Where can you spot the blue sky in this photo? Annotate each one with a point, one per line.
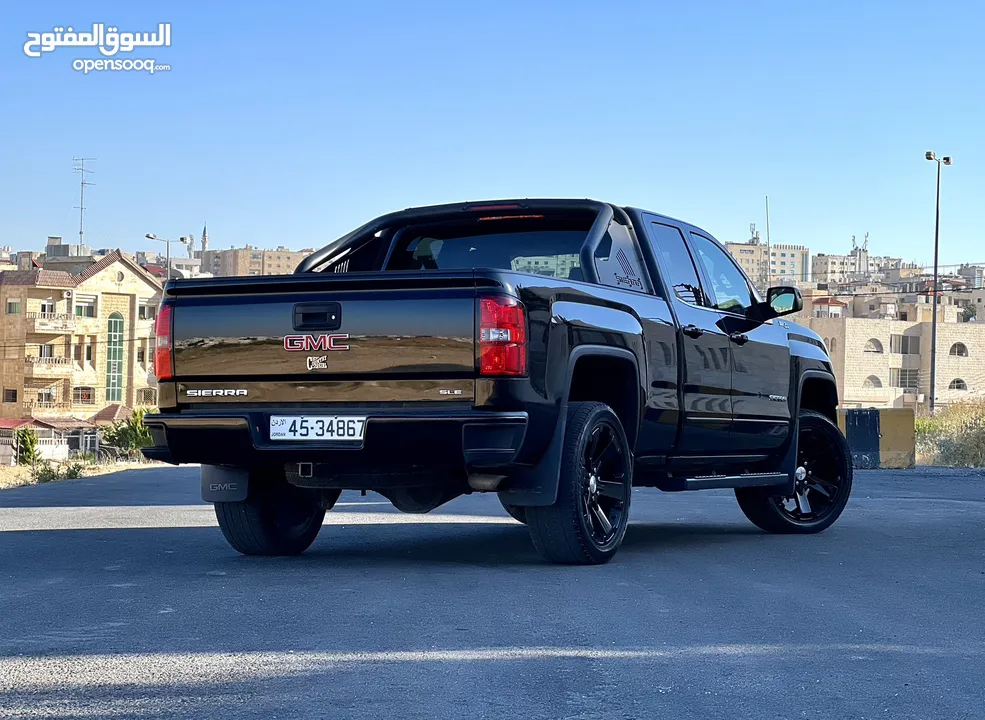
(291, 123)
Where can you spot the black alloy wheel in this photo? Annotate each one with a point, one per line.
(822, 483)
(588, 521)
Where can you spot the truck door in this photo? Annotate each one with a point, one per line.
(760, 353)
(706, 368)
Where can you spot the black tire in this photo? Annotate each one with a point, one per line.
(596, 477)
(514, 511)
(826, 461)
(276, 519)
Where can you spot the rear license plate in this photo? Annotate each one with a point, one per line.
(317, 427)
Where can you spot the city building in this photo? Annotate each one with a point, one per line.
(886, 363)
(789, 263)
(76, 344)
(251, 261)
(769, 265)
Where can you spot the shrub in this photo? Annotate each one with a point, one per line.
(44, 472)
(26, 446)
(129, 435)
(954, 436)
(74, 470)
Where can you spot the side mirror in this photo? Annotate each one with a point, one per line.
(781, 300)
(784, 300)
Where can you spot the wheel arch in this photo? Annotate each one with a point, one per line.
(818, 392)
(538, 485)
(611, 376)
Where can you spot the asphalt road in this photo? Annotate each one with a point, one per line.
(119, 598)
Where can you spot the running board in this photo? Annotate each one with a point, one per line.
(710, 482)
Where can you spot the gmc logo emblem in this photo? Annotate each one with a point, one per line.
(223, 487)
(315, 343)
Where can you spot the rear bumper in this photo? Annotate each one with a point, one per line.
(396, 441)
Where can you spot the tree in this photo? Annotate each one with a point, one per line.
(26, 446)
(970, 312)
(128, 435)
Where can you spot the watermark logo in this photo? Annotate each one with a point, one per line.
(109, 41)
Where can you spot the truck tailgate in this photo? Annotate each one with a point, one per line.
(364, 327)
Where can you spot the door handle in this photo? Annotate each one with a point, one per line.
(692, 331)
(739, 338)
(318, 316)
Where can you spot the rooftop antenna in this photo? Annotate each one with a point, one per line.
(865, 242)
(80, 167)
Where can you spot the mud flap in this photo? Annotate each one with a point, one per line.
(537, 485)
(224, 484)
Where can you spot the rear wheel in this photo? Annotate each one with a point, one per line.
(588, 521)
(822, 483)
(276, 519)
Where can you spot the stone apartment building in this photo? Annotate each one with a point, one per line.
(76, 344)
(886, 363)
(252, 261)
(773, 265)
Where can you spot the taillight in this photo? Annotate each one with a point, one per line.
(163, 368)
(502, 336)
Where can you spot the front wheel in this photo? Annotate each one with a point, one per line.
(588, 521)
(276, 519)
(822, 483)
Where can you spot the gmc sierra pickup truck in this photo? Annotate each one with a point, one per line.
(556, 352)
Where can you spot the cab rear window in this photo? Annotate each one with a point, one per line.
(546, 248)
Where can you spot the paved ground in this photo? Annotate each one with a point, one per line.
(119, 598)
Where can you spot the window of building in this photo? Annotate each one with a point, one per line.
(85, 308)
(676, 263)
(958, 350)
(731, 293)
(13, 307)
(146, 312)
(47, 308)
(958, 384)
(783, 254)
(46, 351)
(84, 395)
(904, 344)
(114, 359)
(9, 395)
(617, 262)
(906, 378)
(872, 382)
(140, 355)
(872, 307)
(47, 396)
(147, 396)
(872, 346)
(903, 316)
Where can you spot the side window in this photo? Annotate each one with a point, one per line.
(617, 262)
(728, 285)
(676, 262)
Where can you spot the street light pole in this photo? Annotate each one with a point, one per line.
(933, 320)
(167, 253)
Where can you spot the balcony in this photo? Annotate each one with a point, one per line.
(43, 367)
(42, 407)
(45, 322)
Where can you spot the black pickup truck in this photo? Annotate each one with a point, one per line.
(556, 352)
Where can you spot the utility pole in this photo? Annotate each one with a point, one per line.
(80, 168)
(769, 254)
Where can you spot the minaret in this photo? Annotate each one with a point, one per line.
(205, 237)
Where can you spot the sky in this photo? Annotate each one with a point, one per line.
(292, 123)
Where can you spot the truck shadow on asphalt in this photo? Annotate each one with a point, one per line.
(182, 550)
